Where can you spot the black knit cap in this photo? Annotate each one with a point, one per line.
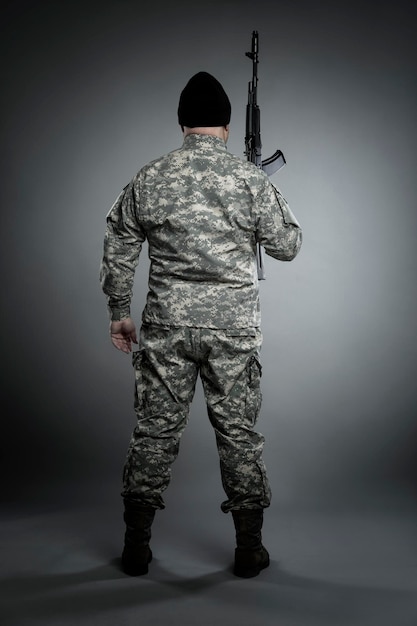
(204, 102)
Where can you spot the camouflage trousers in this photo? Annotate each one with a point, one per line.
(166, 366)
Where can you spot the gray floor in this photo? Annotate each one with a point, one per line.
(61, 567)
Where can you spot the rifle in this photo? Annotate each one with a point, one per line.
(253, 144)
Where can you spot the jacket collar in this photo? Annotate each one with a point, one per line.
(197, 140)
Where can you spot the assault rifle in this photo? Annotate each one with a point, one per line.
(253, 144)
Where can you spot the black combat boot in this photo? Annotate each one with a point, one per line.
(250, 555)
(136, 552)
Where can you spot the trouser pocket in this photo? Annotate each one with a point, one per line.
(253, 390)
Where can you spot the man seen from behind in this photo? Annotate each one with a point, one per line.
(202, 211)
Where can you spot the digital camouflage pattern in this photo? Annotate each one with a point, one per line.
(202, 211)
(166, 368)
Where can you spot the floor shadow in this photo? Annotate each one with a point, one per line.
(278, 592)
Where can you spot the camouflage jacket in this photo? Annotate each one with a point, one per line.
(202, 211)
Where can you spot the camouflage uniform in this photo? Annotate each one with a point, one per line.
(202, 211)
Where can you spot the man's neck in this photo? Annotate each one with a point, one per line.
(222, 132)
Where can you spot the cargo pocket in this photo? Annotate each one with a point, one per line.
(137, 360)
(253, 390)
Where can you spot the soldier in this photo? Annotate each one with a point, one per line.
(202, 211)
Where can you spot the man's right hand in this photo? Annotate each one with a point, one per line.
(122, 334)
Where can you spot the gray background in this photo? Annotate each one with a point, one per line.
(90, 92)
(90, 95)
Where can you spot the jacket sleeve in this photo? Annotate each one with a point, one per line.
(122, 245)
(278, 231)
